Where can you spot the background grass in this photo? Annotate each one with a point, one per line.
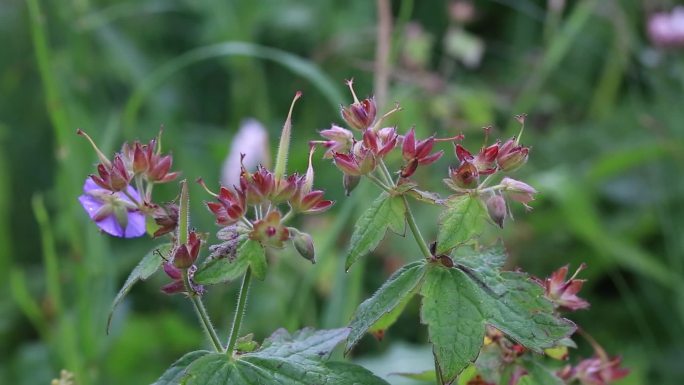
(604, 120)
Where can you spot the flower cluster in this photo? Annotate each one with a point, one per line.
(253, 207)
(119, 197)
(358, 158)
(261, 193)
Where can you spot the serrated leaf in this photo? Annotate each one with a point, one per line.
(451, 309)
(173, 374)
(385, 212)
(458, 302)
(463, 219)
(249, 254)
(284, 360)
(382, 309)
(143, 270)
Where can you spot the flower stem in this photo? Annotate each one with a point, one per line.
(239, 312)
(287, 216)
(386, 173)
(202, 314)
(378, 182)
(416, 232)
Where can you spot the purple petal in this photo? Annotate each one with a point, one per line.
(109, 224)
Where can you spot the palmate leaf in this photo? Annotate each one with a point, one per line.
(145, 268)
(462, 220)
(249, 254)
(387, 211)
(382, 309)
(459, 302)
(285, 359)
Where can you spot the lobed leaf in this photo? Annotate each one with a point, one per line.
(386, 212)
(147, 266)
(451, 308)
(285, 359)
(458, 302)
(382, 309)
(462, 220)
(174, 374)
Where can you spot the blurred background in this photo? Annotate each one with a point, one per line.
(601, 81)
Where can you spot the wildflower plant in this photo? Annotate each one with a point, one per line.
(485, 325)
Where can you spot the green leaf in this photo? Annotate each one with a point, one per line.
(458, 302)
(249, 254)
(145, 268)
(285, 359)
(385, 212)
(451, 309)
(382, 309)
(174, 374)
(463, 219)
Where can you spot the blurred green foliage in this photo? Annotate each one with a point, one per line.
(604, 121)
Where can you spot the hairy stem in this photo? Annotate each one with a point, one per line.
(202, 314)
(416, 232)
(239, 312)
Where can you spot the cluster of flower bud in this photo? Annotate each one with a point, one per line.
(119, 196)
(356, 158)
(261, 193)
(497, 157)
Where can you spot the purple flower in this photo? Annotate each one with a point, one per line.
(113, 212)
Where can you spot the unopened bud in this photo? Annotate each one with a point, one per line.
(349, 182)
(496, 207)
(182, 258)
(304, 244)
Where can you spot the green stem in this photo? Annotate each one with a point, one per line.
(239, 312)
(387, 173)
(378, 182)
(416, 232)
(202, 314)
(288, 216)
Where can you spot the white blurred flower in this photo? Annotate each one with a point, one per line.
(252, 141)
(667, 29)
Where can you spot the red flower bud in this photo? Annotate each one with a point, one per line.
(359, 115)
(511, 156)
(465, 176)
(417, 153)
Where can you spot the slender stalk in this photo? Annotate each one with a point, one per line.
(382, 51)
(239, 312)
(387, 173)
(416, 232)
(378, 182)
(287, 216)
(202, 314)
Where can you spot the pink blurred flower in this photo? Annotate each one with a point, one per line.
(667, 29)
